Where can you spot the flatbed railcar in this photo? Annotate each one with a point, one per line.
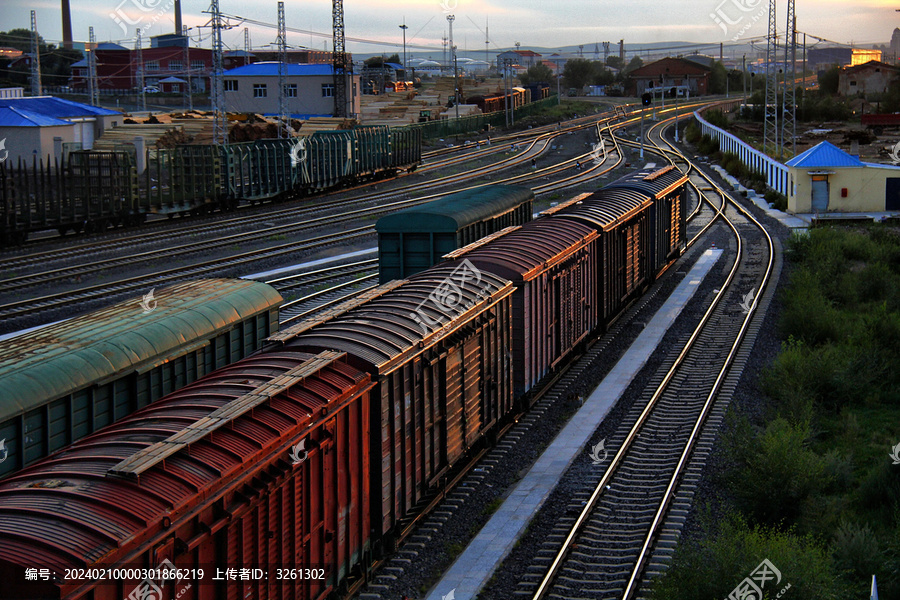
(435, 359)
(67, 380)
(416, 238)
(94, 190)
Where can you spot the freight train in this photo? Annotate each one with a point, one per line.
(286, 474)
(95, 190)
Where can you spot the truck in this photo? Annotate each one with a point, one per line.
(877, 123)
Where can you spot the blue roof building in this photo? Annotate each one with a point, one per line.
(825, 179)
(42, 126)
(309, 90)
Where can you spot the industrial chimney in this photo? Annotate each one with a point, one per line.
(178, 29)
(66, 25)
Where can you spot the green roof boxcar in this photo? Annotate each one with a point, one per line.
(67, 380)
(415, 239)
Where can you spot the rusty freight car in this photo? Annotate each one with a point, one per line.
(262, 464)
(437, 346)
(668, 189)
(622, 217)
(553, 264)
(69, 379)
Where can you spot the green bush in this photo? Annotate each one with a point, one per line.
(856, 550)
(777, 473)
(776, 199)
(708, 145)
(722, 559)
(692, 132)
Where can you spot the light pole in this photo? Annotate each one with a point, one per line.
(450, 19)
(404, 28)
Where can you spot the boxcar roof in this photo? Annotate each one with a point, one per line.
(71, 510)
(606, 208)
(530, 249)
(653, 182)
(456, 211)
(412, 314)
(60, 359)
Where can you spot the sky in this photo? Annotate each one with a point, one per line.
(372, 26)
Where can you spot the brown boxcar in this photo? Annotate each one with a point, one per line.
(437, 345)
(622, 218)
(553, 264)
(668, 188)
(262, 464)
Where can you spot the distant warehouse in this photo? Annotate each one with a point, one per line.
(309, 90)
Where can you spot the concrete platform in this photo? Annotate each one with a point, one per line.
(475, 566)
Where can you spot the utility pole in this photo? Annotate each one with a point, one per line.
(283, 127)
(36, 89)
(188, 88)
(450, 19)
(744, 75)
(487, 42)
(220, 119)
(339, 59)
(770, 127)
(138, 43)
(246, 42)
(93, 92)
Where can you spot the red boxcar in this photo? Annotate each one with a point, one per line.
(262, 464)
(553, 264)
(622, 218)
(437, 345)
(668, 189)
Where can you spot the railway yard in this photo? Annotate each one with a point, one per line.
(531, 415)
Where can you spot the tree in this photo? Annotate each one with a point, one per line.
(828, 81)
(635, 63)
(578, 73)
(717, 78)
(377, 61)
(615, 62)
(56, 62)
(539, 73)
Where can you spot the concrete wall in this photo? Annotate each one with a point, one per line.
(865, 188)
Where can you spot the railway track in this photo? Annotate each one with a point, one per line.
(21, 307)
(633, 507)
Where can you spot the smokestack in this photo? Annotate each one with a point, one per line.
(178, 28)
(67, 25)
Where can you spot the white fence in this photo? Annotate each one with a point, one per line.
(777, 175)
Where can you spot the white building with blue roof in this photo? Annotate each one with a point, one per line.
(37, 127)
(827, 179)
(309, 90)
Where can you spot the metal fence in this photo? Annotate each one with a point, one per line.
(777, 175)
(450, 127)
